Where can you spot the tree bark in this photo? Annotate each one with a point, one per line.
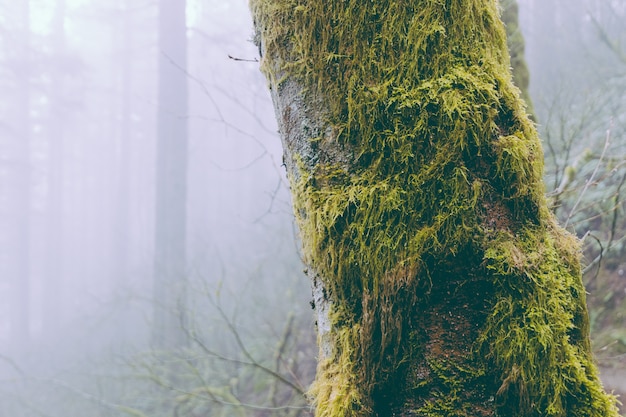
(442, 284)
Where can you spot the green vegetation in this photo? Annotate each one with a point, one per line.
(438, 185)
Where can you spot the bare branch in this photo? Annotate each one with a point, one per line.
(243, 59)
(592, 177)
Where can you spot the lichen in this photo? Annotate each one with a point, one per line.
(438, 179)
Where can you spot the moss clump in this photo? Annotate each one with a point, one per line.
(427, 163)
(537, 332)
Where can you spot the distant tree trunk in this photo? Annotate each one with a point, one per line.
(442, 284)
(544, 44)
(121, 222)
(121, 113)
(54, 281)
(15, 236)
(516, 45)
(171, 193)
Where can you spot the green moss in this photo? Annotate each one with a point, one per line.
(343, 396)
(537, 330)
(442, 161)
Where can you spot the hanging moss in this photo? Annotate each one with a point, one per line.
(420, 194)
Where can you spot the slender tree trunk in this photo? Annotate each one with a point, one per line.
(442, 285)
(171, 199)
(55, 280)
(122, 207)
(15, 249)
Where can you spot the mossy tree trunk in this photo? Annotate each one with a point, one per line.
(443, 286)
(516, 45)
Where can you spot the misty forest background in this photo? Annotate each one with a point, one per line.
(149, 263)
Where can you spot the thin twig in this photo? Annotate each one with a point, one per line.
(242, 59)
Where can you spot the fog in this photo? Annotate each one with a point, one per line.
(149, 264)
